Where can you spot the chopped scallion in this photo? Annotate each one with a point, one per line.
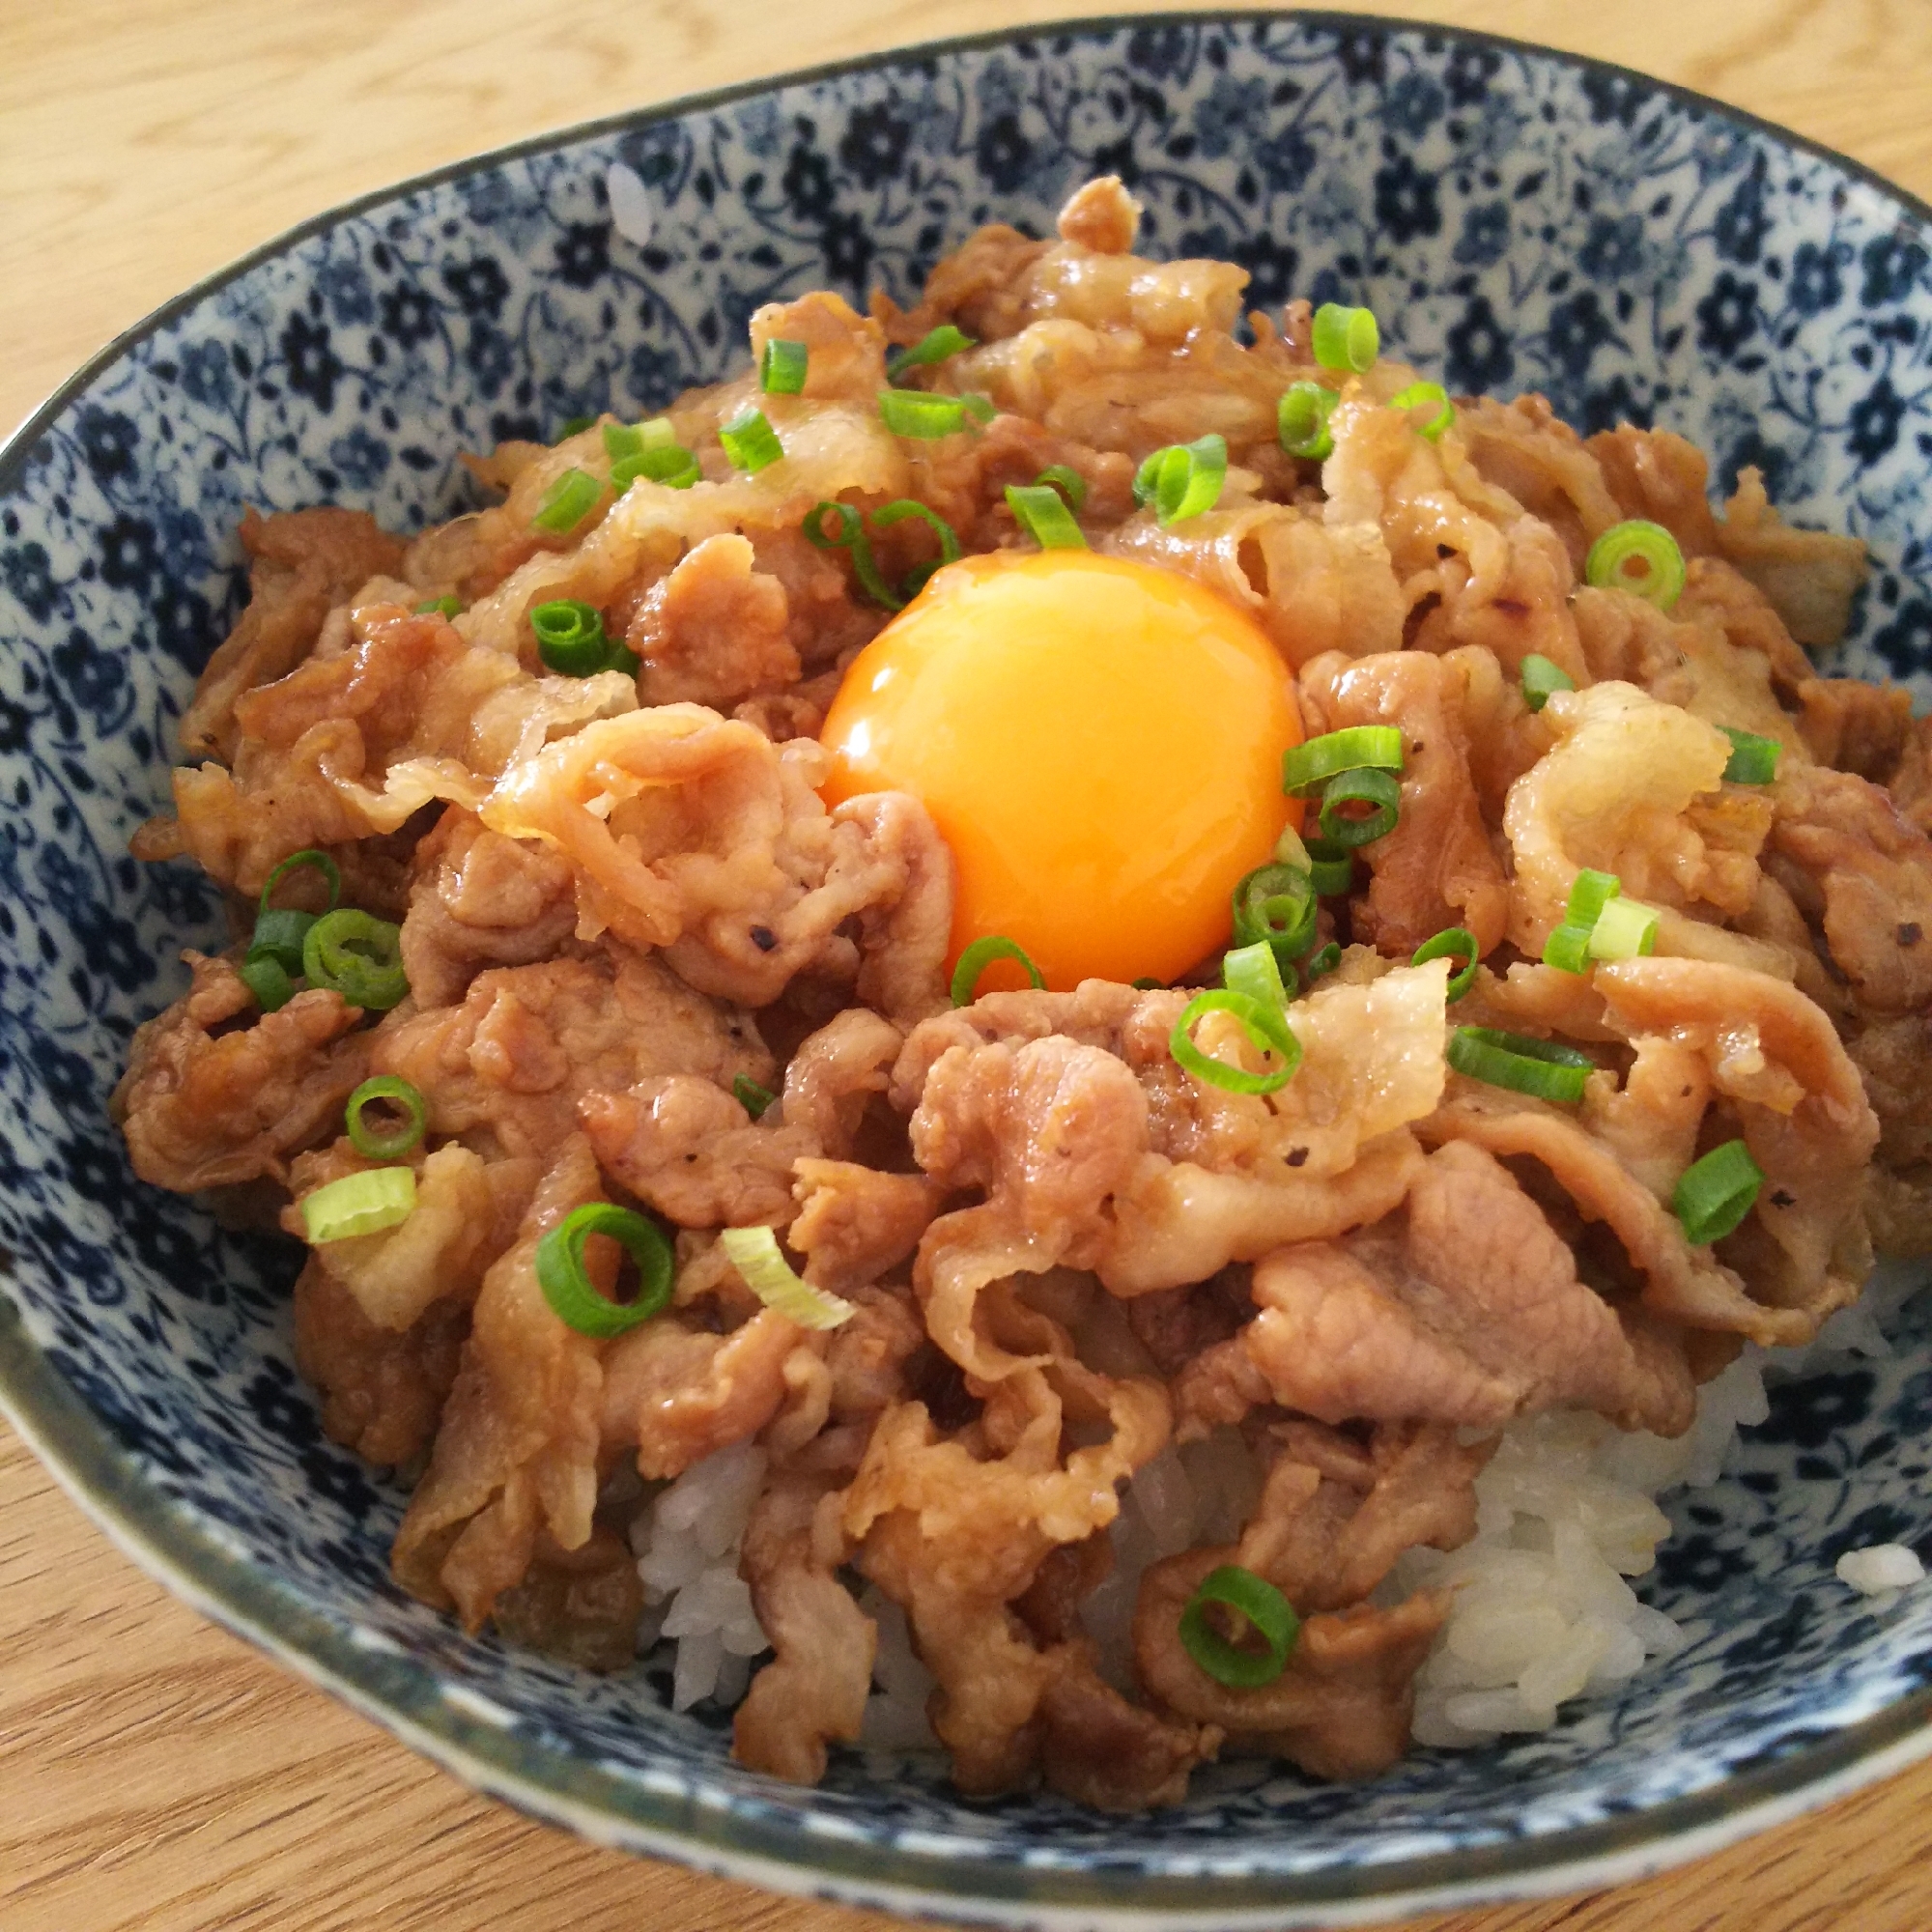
(1638, 556)
(357, 955)
(1542, 1067)
(1265, 1025)
(1625, 929)
(1306, 767)
(1331, 867)
(1043, 513)
(1568, 949)
(574, 1297)
(1067, 481)
(566, 502)
(750, 1096)
(1301, 422)
(1265, 1611)
(1276, 904)
(851, 535)
(372, 1143)
(1541, 679)
(1379, 790)
(359, 1204)
(934, 346)
(278, 935)
(1427, 395)
(754, 1253)
(1324, 961)
(570, 636)
(1717, 1192)
(750, 442)
(1254, 972)
(1753, 760)
(1185, 480)
(781, 368)
(269, 980)
(1346, 338)
(949, 542)
(445, 607)
(981, 954)
(310, 859)
(925, 418)
(1456, 942)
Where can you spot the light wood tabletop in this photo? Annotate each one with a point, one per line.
(154, 1772)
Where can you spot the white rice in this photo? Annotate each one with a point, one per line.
(1544, 1612)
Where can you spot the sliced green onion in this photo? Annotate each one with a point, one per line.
(1255, 972)
(359, 1204)
(570, 636)
(781, 368)
(1379, 789)
(851, 536)
(1324, 961)
(1589, 893)
(1301, 421)
(376, 1146)
(573, 1299)
(1067, 481)
(1184, 479)
(750, 1096)
(934, 346)
(1753, 760)
(917, 414)
(1275, 904)
(1267, 1026)
(1261, 1606)
(357, 955)
(1715, 1193)
(1454, 942)
(1541, 677)
(445, 607)
(750, 442)
(754, 1254)
(1347, 338)
(566, 502)
(573, 426)
(268, 981)
(981, 954)
(1568, 949)
(1640, 557)
(1331, 867)
(1425, 395)
(979, 408)
(1043, 513)
(669, 463)
(278, 935)
(1625, 929)
(949, 542)
(1542, 1067)
(314, 860)
(1307, 768)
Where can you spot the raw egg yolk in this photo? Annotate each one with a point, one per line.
(1099, 743)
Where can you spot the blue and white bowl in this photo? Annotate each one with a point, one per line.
(1518, 221)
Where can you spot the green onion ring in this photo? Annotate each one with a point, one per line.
(750, 442)
(1422, 395)
(574, 426)
(1454, 942)
(357, 955)
(442, 607)
(1306, 767)
(1185, 480)
(781, 368)
(314, 861)
(359, 1204)
(1715, 1193)
(949, 542)
(1255, 972)
(570, 636)
(1639, 557)
(1265, 1026)
(1542, 677)
(671, 465)
(923, 417)
(1625, 929)
(852, 536)
(1261, 1606)
(566, 502)
(375, 1146)
(1346, 338)
(1542, 1067)
(269, 981)
(1067, 481)
(278, 935)
(1301, 422)
(1043, 513)
(1275, 903)
(934, 346)
(981, 954)
(1324, 961)
(755, 1254)
(750, 1096)
(1331, 867)
(1753, 760)
(1379, 789)
(566, 1284)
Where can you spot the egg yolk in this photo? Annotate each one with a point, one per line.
(1099, 743)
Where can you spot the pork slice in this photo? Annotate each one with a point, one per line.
(1100, 1751)
(580, 1606)
(715, 630)
(855, 1223)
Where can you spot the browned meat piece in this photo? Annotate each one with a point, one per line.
(1437, 866)
(845, 351)
(580, 1606)
(1894, 1061)
(302, 565)
(1100, 215)
(202, 1109)
(868, 1356)
(381, 1389)
(468, 1211)
(855, 1223)
(1869, 871)
(1525, 448)
(1469, 1313)
(1856, 726)
(835, 1073)
(516, 1453)
(480, 900)
(681, 1393)
(530, 1041)
(715, 630)
(815, 1689)
(695, 834)
(1099, 1749)
(1175, 1325)
(829, 617)
(691, 1152)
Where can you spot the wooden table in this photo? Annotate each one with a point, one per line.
(154, 1772)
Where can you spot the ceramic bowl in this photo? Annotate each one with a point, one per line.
(1518, 221)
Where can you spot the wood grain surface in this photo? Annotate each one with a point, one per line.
(156, 1776)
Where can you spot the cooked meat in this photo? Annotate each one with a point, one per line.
(580, 1606)
(715, 630)
(854, 1223)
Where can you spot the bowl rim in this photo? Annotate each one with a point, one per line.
(718, 1831)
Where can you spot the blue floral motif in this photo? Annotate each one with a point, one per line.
(1519, 223)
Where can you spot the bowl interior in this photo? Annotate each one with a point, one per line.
(1519, 221)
